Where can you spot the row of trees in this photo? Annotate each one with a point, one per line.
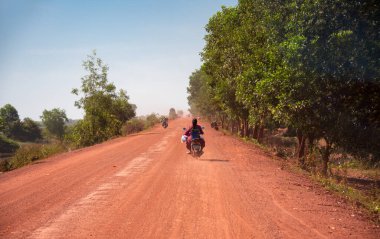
(105, 112)
(310, 65)
(28, 130)
(12, 127)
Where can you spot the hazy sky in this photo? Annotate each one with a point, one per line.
(150, 46)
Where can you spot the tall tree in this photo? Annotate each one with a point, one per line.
(54, 121)
(201, 99)
(10, 121)
(30, 130)
(313, 65)
(335, 94)
(223, 63)
(105, 109)
(260, 34)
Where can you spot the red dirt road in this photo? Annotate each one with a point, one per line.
(146, 186)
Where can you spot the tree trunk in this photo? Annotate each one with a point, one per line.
(222, 121)
(310, 139)
(241, 128)
(250, 131)
(256, 131)
(244, 128)
(325, 157)
(301, 153)
(234, 127)
(261, 133)
(301, 147)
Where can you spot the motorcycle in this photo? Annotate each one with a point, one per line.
(195, 145)
(165, 124)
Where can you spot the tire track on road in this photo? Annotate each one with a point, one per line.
(100, 196)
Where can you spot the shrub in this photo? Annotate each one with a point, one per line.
(51, 149)
(151, 120)
(32, 152)
(134, 125)
(7, 145)
(280, 141)
(4, 165)
(25, 155)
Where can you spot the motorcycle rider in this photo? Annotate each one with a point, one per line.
(164, 122)
(195, 131)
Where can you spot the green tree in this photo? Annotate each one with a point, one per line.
(151, 120)
(30, 130)
(2, 125)
(334, 91)
(10, 121)
(7, 145)
(54, 121)
(105, 109)
(223, 63)
(258, 39)
(123, 110)
(200, 98)
(311, 65)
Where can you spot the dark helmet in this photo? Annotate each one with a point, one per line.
(195, 121)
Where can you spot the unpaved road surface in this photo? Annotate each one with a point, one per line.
(146, 186)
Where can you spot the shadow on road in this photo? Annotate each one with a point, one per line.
(137, 134)
(216, 160)
(360, 183)
(39, 161)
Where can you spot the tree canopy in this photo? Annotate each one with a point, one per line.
(106, 110)
(12, 127)
(311, 65)
(9, 120)
(54, 121)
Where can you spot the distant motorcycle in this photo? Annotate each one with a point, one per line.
(164, 122)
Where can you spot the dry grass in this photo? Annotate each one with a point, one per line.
(29, 153)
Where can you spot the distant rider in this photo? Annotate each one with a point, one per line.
(195, 131)
(164, 122)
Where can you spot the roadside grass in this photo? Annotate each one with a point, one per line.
(132, 126)
(7, 145)
(369, 201)
(7, 149)
(255, 142)
(4, 164)
(28, 153)
(139, 124)
(272, 150)
(367, 198)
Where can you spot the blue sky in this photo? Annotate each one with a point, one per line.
(151, 48)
